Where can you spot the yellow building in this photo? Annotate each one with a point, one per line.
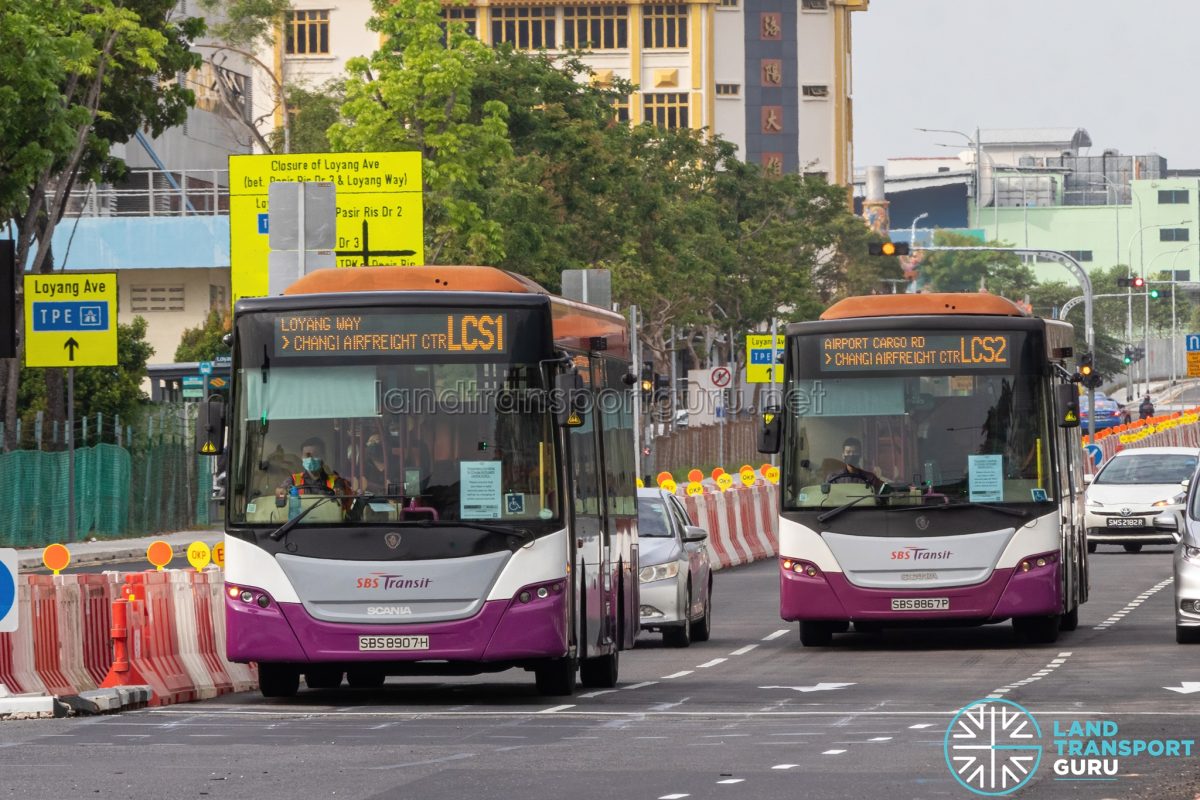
(772, 77)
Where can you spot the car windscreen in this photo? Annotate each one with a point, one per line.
(1147, 468)
(652, 517)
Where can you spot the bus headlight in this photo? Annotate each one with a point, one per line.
(658, 572)
(1191, 553)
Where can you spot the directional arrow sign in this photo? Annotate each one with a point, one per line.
(820, 687)
(1186, 687)
(71, 319)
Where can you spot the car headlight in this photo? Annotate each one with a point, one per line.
(1191, 553)
(658, 572)
(1170, 501)
(1095, 504)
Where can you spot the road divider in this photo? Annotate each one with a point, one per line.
(742, 523)
(162, 630)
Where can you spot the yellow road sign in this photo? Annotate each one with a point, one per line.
(379, 209)
(71, 320)
(758, 358)
(1193, 365)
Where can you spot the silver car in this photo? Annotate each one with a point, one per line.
(1185, 526)
(675, 575)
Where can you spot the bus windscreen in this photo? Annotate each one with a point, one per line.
(915, 418)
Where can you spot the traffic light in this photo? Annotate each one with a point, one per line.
(1128, 355)
(888, 248)
(1087, 372)
(1155, 294)
(1134, 282)
(1139, 353)
(647, 379)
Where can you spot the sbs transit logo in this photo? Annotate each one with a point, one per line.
(993, 747)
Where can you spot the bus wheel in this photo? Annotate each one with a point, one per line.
(323, 678)
(1133, 548)
(365, 678)
(1038, 630)
(1070, 620)
(599, 672)
(1092, 547)
(278, 680)
(556, 678)
(1187, 634)
(816, 634)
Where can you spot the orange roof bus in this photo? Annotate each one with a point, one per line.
(930, 464)
(422, 480)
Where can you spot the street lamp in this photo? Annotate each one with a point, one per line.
(1129, 315)
(912, 231)
(978, 164)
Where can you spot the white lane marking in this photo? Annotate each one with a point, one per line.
(773, 636)
(712, 663)
(785, 766)
(741, 651)
(674, 796)
(641, 685)
(820, 687)
(730, 781)
(920, 726)
(833, 752)
(722, 735)
(679, 674)
(650, 737)
(598, 693)
(444, 759)
(565, 738)
(880, 739)
(555, 709)
(1133, 604)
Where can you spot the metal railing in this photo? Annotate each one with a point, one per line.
(154, 193)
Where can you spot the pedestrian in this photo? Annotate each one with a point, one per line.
(1146, 409)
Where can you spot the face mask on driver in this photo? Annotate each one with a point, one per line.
(311, 463)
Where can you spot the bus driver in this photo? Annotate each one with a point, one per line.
(853, 471)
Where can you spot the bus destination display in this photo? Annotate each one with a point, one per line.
(346, 333)
(848, 352)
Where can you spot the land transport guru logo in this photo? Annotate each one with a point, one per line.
(993, 747)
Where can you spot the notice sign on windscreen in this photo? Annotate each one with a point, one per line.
(844, 353)
(344, 333)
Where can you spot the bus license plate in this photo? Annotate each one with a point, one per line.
(920, 604)
(375, 643)
(1126, 522)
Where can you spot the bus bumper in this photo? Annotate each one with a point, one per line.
(1007, 593)
(502, 631)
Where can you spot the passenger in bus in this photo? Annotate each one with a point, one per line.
(853, 471)
(314, 478)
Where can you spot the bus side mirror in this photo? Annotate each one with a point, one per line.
(769, 430)
(210, 426)
(568, 402)
(1067, 397)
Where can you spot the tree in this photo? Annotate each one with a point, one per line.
(79, 77)
(205, 342)
(311, 112)
(414, 93)
(998, 273)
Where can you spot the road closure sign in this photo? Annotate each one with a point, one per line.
(379, 210)
(71, 319)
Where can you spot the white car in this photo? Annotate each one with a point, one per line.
(675, 575)
(1134, 487)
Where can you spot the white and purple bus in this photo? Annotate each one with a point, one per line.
(930, 468)
(431, 471)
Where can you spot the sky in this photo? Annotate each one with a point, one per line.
(1124, 70)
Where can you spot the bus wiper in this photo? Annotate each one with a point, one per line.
(283, 529)
(833, 512)
(520, 534)
(1012, 512)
